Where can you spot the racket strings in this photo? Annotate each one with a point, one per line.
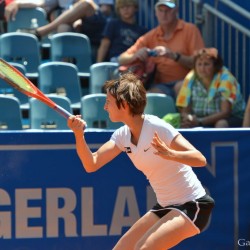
(14, 78)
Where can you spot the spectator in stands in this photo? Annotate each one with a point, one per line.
(93, 25)
(246, 119)
(120, 33)
(210, 95)
(173, 41)
(92, 15)
(164, 156)
(48, 5)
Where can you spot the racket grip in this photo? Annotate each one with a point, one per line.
(62, 111)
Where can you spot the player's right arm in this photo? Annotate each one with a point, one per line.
(91, 161)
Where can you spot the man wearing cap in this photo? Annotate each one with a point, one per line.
(173, 41)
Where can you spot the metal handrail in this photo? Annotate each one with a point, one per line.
(219, 14)
(236, 8)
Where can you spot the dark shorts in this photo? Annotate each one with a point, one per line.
(234, 122)
(198, 211)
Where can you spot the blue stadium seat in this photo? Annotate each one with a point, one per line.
(92, 111)
(61, 78)
(10, 113)
(23, 21)
(44, 117)
(74, 48)
(159, 104)
(21, 48)
(99, 73)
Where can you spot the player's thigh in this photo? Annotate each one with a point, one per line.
(167, 232)
(131, 237)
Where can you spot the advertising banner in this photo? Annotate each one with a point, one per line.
(48, 201)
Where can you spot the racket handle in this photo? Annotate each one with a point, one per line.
(62, 111)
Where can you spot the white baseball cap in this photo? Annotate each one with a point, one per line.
(169, 3)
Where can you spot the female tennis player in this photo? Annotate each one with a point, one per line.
(165, 157)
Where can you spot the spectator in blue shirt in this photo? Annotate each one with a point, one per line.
(120, 33)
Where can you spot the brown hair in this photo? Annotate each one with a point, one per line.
(128, 88)
(210, 53)
(121, 3)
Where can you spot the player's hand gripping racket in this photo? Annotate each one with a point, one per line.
(17, 80)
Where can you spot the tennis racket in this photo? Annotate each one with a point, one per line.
(17, 80)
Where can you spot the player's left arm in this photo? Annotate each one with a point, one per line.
(180, 150)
